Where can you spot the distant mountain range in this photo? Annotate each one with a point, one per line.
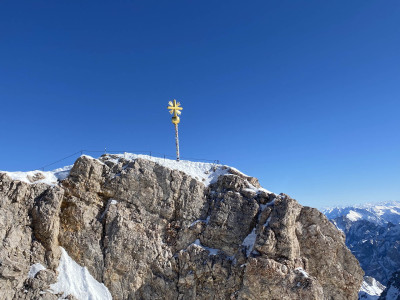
(373, 235)
(380, 213)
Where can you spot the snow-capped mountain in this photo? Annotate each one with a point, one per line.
(373, 235)
(381, 213)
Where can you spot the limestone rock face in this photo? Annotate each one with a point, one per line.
(150, 232)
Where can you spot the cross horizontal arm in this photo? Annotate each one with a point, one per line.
(175, 107)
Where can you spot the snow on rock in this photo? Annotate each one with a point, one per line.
(263, 206)
(304, 273)
(34, 269)
(195, 222)
(62, 173)
(371, 289)
(48, 177)
(249, 241)
(254, 189)
(109, 203)
(211, 251)
(267, 221)
(206, 221)
(206, 172)
(76, 280)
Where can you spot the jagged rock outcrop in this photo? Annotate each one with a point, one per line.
(150, 232)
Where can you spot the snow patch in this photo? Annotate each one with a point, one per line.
(198, 221)
(34, 269)
(371, 289)
(212, 251)
(252, 187)
(109, 203)
(48, 177)
(62, 173)
(249, 241)
(263, 206)
(353, 216)
(77, 281)
(267, 221)
(304, 273)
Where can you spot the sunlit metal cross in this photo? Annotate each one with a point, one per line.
(174, 108)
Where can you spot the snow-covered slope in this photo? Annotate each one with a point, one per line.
(371, 289)
(77, 281)
(48, 177)
(73, 280)
(207, 173)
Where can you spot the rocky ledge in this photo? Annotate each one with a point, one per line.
(149, 231)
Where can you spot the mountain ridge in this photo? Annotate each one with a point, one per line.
(148, 231)
(379, 213)
(372, 233)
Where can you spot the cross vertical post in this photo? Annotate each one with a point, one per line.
(175, 109)
(177, 142)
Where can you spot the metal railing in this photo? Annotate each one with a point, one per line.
(105, 151)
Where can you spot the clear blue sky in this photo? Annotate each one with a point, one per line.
(304, 95)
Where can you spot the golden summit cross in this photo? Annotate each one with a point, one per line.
(175, 109)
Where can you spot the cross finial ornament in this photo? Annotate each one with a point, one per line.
(175, 110)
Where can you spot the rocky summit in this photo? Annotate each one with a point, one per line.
(135, 227)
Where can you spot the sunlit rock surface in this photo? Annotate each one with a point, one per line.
(150, 228)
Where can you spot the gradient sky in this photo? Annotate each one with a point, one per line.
(304, 95)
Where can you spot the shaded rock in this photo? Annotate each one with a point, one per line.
(46, 223)
(392, 291)
(268, 279)
(17, 247)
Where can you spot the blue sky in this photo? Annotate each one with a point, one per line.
(303, 95)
